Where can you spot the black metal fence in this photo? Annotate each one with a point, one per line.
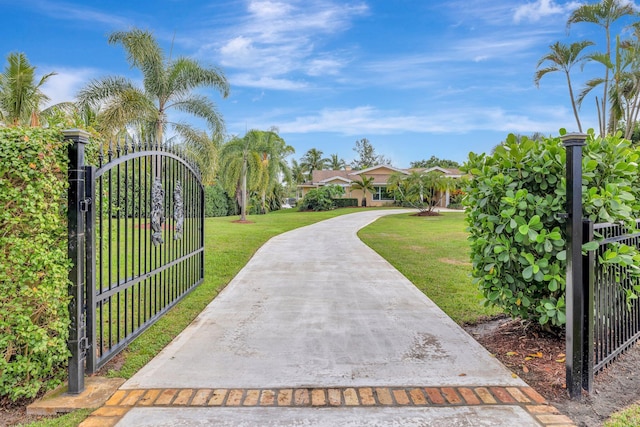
(603, 319)
(142, 249)
(616, 315)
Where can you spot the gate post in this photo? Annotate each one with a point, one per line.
(574, 297)
(76, 251)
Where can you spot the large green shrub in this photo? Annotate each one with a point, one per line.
(216, 201)
(514, 201)
(33, 261)
(321, 199)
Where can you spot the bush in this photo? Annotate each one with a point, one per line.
(34, 266)
(216, 201)
(514, 201)
(321, 199)
(345, 203)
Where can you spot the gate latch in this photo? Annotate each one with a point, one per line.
(84, 204)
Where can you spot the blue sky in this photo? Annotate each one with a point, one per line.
(415, 77)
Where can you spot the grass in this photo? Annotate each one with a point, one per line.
(628, 417)
(433, 253)
(67, 420)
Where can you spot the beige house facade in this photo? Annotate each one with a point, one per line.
(381, 174)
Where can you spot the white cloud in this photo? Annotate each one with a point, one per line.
(265, 82)
(541, 9)
(74, 12)
(368, 120)
(64, 86)
(276, 38)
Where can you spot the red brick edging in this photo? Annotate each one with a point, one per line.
(526, 397)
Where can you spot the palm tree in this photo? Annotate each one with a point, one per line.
(275, 151)
(204, 149)
(167, 84)
(242, 168)
(20, 95)
(563, 58)
(604, 14)
(313, 160)
(336, 163)
(365, 184)
(297, 172)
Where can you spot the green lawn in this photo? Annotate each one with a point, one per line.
(433, 253)
(629, 417)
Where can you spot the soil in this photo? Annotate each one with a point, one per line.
(538, 357)
(534, 355)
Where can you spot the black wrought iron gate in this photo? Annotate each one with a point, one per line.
(136, 236)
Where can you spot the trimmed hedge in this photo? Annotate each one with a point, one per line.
(345, 203)
(34, 266)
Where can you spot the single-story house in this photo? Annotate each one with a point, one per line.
(380, 174)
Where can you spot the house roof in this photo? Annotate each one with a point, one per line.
(320, 177)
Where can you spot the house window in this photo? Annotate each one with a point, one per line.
(381, 193)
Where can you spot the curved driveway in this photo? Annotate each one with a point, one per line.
(315, 308)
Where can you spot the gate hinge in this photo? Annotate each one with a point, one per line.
(84, 204)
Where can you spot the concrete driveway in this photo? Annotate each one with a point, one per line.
(317, 329)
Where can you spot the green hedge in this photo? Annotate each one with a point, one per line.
(345, 203)
(514, 204)
(33, 261)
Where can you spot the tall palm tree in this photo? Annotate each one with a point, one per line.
(242, 168)
(274, 154)
(313, 160)
(167, 84)
(20, 96)
(365, 183)
(336, 163)
(562, 58)
(603, 14)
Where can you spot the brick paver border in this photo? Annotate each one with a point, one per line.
(525, 397)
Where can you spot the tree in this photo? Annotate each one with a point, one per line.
(313, 160)
(365, 184)
(167, 84)
(275, 151)
(204, 149)
(367, 156)
(336, 163)
(20, 96)
(242, 168)
(297, 172)
(563, 58)
(433, 161)
(603, 14)
(420, 190)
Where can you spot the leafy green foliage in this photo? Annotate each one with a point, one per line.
(514, 202)
(321, 199)
(216, 201)
(434, 161)
(33, 261)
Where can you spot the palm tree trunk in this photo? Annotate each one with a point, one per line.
(573, 104)
(243, 204)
